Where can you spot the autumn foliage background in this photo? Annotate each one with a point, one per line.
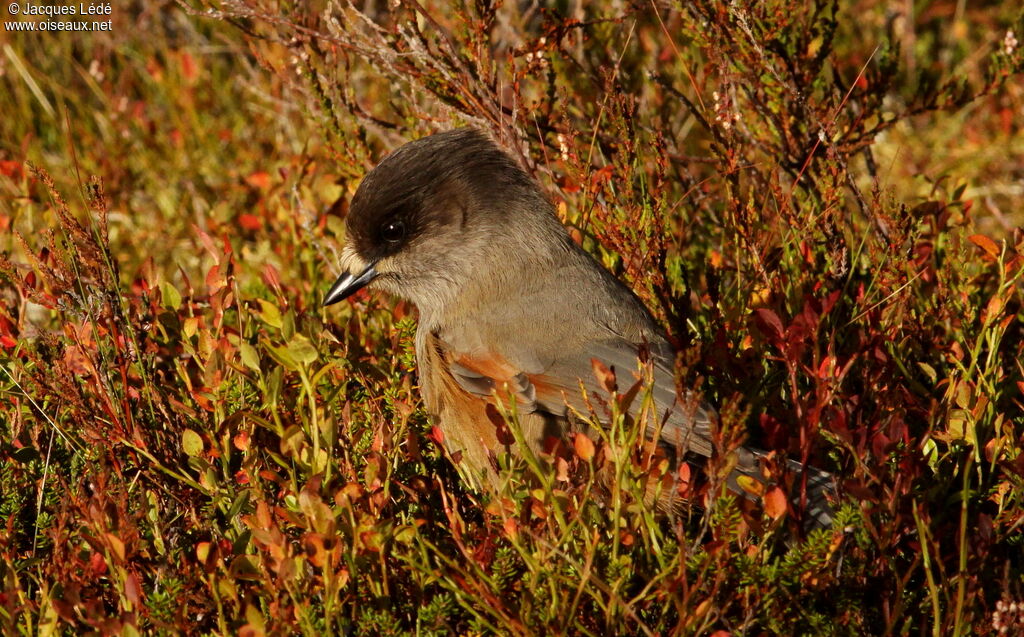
(821, 201)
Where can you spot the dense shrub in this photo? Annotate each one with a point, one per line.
(820, 201)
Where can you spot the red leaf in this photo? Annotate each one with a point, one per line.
(250, 222)
(436, 435)
(188, 67)
(208, 244)
(271, 277)
(12, 169)
(601, 175)
(133, 589)
(769, 324)
(568, 185)
(501, 431)
(826, 367)
(97, 564)
(830, 302)
(215, 280)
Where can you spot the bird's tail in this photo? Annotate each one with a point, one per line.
(820, 484)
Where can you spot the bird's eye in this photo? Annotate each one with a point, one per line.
(392, 231)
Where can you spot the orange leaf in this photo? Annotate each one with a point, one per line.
(584, 447)
(511, 528)
(994, 307)
(684, 472)
(990, 450)
(116, 546)
(716, 259)
(683, 485)
(605, 377)
(775, 503)
(215, 280)
(259, 179)
(986, 244)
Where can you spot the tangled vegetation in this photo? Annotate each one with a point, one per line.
(820, 201)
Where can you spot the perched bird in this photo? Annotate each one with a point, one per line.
(510, 307)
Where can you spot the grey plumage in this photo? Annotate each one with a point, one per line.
(508, 302)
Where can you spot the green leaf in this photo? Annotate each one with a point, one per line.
(239, 503)
(245, 567)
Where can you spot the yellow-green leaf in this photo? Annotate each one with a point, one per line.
(170, 296)
(302, 349)
(191, 442)
(269, 313)
(249, 356)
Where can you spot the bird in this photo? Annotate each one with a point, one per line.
(514, 313)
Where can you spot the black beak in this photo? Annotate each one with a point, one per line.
(348, 284)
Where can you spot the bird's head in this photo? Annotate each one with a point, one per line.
(436, 215)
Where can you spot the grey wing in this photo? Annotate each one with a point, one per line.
(556, 385)
(679, 420)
